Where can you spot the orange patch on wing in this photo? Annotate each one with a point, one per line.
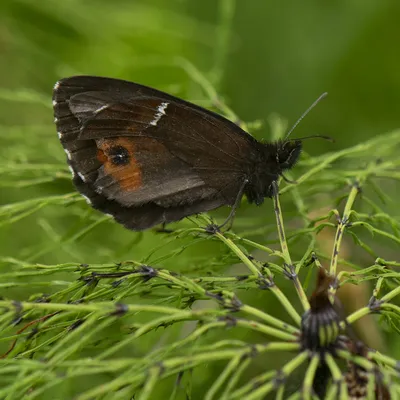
(129, 175)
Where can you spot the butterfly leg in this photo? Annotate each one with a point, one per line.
(215, 228)
(163, 229)
(287, 180)
(275, 189)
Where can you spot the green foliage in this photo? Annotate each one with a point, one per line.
(188, 313)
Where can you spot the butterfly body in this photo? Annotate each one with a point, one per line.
(146, 157)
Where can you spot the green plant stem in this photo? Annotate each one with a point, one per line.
(269, 319)
(152, 379)
(248, 387)
(361, 312)
(337, 380)
(228, 370)
(309, 377)
(258, 246)
(317, 164)
(208, 88)
(239, 253)
(286, 304)
(183, 363)
(235, 378)
(343, 222)
(267, 330)
(287, 370)
(359, 360)
(286, 254)
(101, 307)
(389, 296)
(382, 358)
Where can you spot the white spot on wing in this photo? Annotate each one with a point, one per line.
(72, 171)
(82, 177)
(55, 120)
(99, 110)
(160, 112)
(60, 135)
(87, 199)
(54, 103)
(99, 189)
(162, 107)
(57, 85)
(68, 154)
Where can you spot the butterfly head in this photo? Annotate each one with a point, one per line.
(287, 154)
(276, 158)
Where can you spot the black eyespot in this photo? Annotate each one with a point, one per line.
(119, 155)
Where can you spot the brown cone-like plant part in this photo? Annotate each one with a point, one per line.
(357, 378)
(320, 324)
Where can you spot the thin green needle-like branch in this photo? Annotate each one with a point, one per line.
(285, 252)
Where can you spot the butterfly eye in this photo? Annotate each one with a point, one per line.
(278, 152)
(119, 155)
(282, 154)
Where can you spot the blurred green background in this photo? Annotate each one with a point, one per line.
(263, 57)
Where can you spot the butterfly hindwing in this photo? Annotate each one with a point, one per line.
(143, 156)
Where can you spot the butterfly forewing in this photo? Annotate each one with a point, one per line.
(147, 157)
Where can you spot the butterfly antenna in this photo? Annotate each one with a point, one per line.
(313, 137)
(323, 95)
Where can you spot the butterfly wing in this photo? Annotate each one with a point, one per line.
(136, 151)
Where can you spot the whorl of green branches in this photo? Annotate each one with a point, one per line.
(140, 328)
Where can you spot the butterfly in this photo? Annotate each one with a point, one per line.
(148, 158)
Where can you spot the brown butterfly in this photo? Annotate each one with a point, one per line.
(147, 158)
